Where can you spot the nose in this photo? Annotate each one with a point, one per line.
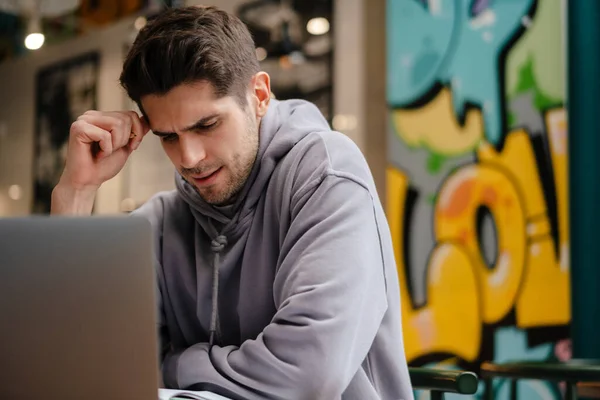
(192, 150)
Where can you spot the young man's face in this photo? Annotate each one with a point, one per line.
(212, 141)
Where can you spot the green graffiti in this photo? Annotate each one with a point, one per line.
(432, 198)
(527, 83)
(435, 162)
(511, 119)
(544, 43)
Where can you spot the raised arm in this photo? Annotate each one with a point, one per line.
(99, 145)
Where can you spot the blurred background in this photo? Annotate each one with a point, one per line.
(458, 106)
(59, 58)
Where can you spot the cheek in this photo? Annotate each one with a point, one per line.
(223, 145)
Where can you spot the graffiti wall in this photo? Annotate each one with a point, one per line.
(477, 182)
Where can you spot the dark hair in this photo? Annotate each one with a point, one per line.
(190, 44)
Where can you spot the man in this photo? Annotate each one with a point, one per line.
(275, 265)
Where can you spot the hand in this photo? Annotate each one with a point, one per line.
(99, 145)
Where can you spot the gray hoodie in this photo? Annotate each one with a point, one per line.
(292, 292)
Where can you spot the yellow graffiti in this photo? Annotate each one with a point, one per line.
(544, 276)
(435, 126)
(548, 274)
(527, 276)
(452, 291)
(556, 126)
(455, 215)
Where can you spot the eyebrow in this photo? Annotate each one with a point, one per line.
(200, 124)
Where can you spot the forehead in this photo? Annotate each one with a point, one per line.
(185, 104)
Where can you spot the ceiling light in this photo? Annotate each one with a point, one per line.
(15, 192)
(343, 122)
(35, 37)
(317, 26)
(140, 22)
(128, 205)
(34, 41)
(261, 53)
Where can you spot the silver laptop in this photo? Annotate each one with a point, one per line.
(77, 309)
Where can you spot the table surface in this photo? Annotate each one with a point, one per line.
(589, 389)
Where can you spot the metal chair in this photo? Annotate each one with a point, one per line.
(573, 372)
(441, 381)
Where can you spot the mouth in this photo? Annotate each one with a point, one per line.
(207, 179)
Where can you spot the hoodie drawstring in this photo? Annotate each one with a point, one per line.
(217, 245)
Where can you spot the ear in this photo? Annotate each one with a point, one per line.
(261, 91)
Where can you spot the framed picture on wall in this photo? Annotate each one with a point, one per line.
(63, 91)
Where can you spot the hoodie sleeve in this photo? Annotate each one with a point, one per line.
(330, 293)
(153, 211)
(164, 342)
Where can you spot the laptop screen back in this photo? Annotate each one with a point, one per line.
(77, 309)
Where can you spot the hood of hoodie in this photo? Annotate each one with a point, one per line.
(285, 124)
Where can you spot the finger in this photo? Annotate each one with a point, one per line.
(88, 133)
(106, 146)
(139, 130)
(122, 131)
(117, 123)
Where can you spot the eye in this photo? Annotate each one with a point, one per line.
(169, 138)
(208, 126)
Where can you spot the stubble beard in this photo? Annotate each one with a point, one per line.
(239, 170)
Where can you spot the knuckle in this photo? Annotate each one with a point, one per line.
(128, 128)
(121, 123)
(77, 126)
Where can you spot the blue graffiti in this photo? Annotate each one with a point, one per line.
(510, 344)
(418, 43)
(457, 43)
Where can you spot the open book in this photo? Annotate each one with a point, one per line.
(168, 394)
